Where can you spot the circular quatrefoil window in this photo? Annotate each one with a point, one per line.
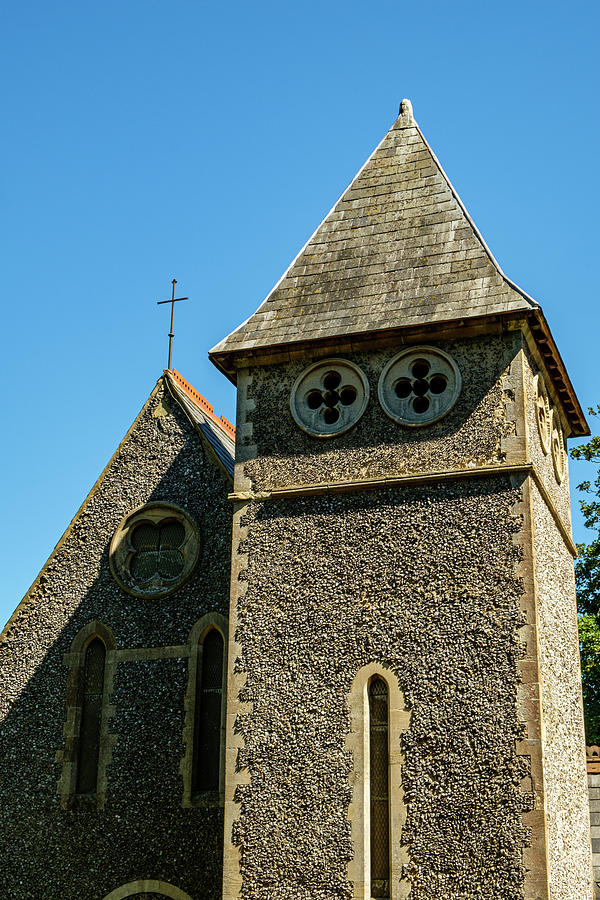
(154, 550)
(329, 397)
(419, 386)
(559, 460)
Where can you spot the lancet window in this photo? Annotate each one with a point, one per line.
(204, 734)
(92, 692)
(378, 719)
(379, 788)
(88, 744)
(208, 714)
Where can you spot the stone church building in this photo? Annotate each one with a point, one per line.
(330, 654)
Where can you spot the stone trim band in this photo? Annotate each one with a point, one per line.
(364, 484)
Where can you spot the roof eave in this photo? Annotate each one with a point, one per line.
(228, 361)
(557, 371)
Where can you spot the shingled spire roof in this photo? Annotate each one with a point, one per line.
(397, 249)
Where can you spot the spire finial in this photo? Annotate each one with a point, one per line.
(406, 113)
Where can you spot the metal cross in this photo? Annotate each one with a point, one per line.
(172, 301)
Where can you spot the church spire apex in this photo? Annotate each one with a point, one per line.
(406, 113)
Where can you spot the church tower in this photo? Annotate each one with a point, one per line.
(404, 709)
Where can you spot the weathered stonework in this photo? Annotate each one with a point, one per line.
(402, 579)
(559, 493)
(563, 743)
(141, 831)
(471, 434)
(350, 564)
(424, 567)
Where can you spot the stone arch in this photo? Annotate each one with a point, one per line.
(147, 885)
(88, 633)
(359, 868)
(75, 660)
(197, 635)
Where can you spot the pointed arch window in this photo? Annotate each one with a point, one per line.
(379, 788)
(88, 745)
(378, 719)
(204, 734)
(208, 714)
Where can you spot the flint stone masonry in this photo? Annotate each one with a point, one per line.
(424, 582)
(142, 832)
(437, 557)
(472, 433)
(562, 712)
(295, 573)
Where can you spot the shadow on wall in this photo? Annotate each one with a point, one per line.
(142, 832)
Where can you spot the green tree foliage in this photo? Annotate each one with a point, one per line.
(587, 577)
(589, 647)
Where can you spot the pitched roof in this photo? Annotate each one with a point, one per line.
(217, 430)
(398, 249)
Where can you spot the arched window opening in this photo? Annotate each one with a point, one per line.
(379, 788)
(147, 889)
(207, 720)
(91, 717)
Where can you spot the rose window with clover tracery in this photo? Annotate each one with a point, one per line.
(154, 550)
(419, 386)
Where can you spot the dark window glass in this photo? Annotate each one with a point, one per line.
(157, 550)
(207, 720)
(147, 897)
(91, 717)
(379, 788)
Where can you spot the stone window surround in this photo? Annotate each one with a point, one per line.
(311, 380)
(557, 445)
(396, 366)
(146, 885)
(195, 643)
(542, 414)
(75, 660)
(359, 868)
(120, 552)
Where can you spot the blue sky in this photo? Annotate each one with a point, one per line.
(150, 140)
